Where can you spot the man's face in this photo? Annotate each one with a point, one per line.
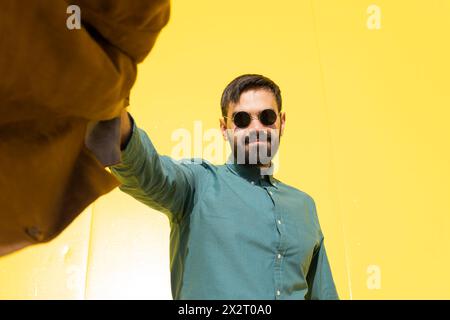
(257, 143)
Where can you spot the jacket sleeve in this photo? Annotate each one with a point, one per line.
(55, 80)
(158, 181)
(132, 27)
(86, 72)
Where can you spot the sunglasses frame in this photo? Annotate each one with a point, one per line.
(253, 117)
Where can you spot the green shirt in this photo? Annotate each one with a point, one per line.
(234, 233)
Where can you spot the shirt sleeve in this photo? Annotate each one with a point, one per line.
(319, 278)
(160, 182)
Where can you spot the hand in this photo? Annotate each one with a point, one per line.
(125, 128)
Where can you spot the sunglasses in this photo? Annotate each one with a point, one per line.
(243, 119)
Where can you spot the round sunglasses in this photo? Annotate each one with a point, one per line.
(243, 119)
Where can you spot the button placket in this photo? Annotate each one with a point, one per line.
(279, 250)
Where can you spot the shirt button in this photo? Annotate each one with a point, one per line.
(252, 182)
(279, 221)
(278, 292)
(279, 256)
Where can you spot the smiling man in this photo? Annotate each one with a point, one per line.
(237, 232)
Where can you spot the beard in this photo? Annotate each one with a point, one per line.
(257, 147)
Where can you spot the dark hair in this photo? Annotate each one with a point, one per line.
(238, 86)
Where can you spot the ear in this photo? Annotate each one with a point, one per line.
(283, 122)
(223, 128)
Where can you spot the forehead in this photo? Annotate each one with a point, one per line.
(254, 100)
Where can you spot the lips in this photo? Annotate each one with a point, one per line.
(258, 139)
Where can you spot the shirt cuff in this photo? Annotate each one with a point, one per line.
(132, 145)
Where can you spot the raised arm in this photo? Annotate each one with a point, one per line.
(158, 181)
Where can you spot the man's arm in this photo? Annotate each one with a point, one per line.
(319, 278)
(157, 181)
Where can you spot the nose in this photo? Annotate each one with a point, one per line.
(255, 124)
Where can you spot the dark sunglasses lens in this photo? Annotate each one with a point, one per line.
(242, 119)
(268, 117)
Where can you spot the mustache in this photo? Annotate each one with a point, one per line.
(258, 136)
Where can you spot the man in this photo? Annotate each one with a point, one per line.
(236, 231)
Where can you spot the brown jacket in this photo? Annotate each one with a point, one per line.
(57, 88)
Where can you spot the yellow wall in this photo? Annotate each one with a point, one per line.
(367, 103)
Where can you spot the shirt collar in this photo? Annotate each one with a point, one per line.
(251, 172)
